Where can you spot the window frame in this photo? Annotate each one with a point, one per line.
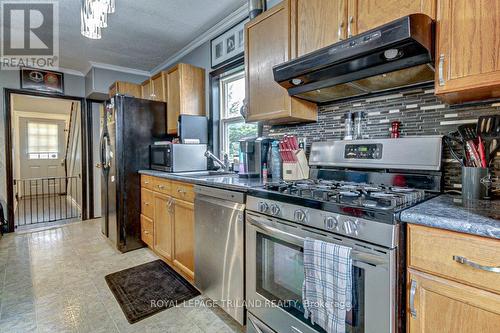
(224, 120)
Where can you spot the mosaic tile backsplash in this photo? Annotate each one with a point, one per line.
(418, 110)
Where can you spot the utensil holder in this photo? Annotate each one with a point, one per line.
(296, 170)
(475, 183)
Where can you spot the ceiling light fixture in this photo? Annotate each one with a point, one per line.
(94, 17)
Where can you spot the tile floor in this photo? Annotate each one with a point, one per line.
(53, 281)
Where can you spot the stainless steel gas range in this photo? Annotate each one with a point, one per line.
(354, 196)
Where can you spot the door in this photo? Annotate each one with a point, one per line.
(468, 50)
(159, 91)
(174, 99)
(364, 15)
(42, 153)
(440, 305)
(147, 89)
(163, 225)
(267, 45)
(316, 24)
(275, 273)
(184, 236)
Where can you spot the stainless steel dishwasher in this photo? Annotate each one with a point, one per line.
(219, 248)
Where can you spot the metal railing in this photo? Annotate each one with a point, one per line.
(40, 200)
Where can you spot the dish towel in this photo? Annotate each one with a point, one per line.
(327, 288)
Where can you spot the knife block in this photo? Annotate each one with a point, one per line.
(296, 170)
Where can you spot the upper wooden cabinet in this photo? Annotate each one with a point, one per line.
(363, 15)
(147, 89)
(468, 50)
(155, 88)
(267, 43)
(186, 93)
(125, 88)
(315, 24)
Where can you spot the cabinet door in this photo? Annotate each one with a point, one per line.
(468, 49)
(316, 24)
(159, 90)
(444, 306)
(174, 98)
(364, 15)
(267, 40)
(146, 89)
(184, 237)
(163, 225)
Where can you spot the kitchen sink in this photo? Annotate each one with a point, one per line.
(203, 174)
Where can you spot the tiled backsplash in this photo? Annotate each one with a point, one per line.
(418, 110)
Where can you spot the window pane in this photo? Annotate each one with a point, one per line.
(235, 132)
(42, 138)
(234, 90)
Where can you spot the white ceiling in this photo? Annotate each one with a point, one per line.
(141, 33)
(26, 103)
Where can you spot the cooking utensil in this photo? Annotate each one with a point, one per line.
(468, 132)
(482, 153)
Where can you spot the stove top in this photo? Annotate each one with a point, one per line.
(353, 194)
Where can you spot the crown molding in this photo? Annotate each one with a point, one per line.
(232, 19)
(117, 68)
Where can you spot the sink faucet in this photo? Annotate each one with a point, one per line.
(224, 164)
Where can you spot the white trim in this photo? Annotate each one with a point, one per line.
(228, 22)
(122, 69)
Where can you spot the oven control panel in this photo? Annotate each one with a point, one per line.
(363, 151)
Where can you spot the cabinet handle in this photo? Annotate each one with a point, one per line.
(465, 261)
(179, 190)
(349, 24)
(441, 70)
(161, 187)
(169, 205)
(146, 203)
(146, 232)
(413, 290)
(146, 182)
(339, 32)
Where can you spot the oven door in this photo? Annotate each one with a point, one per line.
(160, 157)
(275, 274)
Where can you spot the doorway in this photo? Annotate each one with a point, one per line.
(47, 160)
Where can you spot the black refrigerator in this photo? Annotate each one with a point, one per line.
(129, 126)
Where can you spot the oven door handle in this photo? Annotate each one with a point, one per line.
(359, 258)
(272, 230)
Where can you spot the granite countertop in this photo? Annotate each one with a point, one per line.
(229, 182)
(478, 217)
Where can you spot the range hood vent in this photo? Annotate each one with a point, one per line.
(397, 54)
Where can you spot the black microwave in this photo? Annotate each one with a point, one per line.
(172, 157)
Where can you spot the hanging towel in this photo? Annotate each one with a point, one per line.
(327, 288)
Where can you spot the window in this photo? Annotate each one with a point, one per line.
(43, 139)
(233, 126)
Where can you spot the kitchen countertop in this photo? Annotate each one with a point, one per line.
(478, 217)
(229, 182)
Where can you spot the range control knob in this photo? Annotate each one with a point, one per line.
(331, 223)
(275, 210)
(300, 215)
(350, 227)
(263, 207)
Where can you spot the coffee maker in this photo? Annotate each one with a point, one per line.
(254, 152)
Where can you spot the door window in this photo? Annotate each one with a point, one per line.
(43, 140)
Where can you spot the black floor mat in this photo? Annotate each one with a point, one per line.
(149, 288)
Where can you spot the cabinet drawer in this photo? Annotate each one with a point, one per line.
(147, 230)
(162, 185)
(183, 191)
(436, 251)
(147, 203)
(147, 182)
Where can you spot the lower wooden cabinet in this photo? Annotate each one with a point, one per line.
(184, 236)
(448, 294)
(440, 305)
(168, 222)
(163, 225)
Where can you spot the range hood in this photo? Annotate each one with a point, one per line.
(397, 54)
